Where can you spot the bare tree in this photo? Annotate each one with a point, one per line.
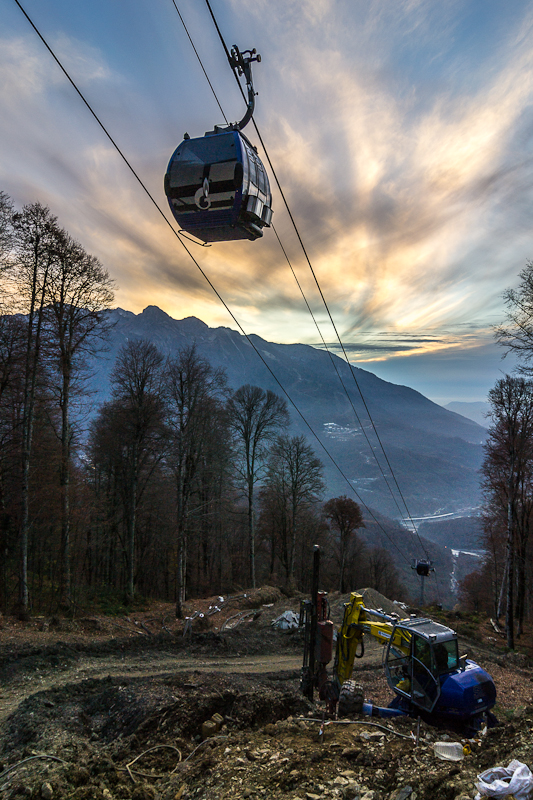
(79, 289)
(194, 391)
(256, 417)
(34, 253)
(517, 334)
(137, 415)
(383, 575)
(508, 467)
(494, 518)
(293, 483)
(345, 517)
(6, 234)
(12, 341)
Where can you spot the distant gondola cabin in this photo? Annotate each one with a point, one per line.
(218, 189)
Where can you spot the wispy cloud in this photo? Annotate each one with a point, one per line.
(401, 134)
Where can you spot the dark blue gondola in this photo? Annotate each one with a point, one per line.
(218, 189)
(216, 185)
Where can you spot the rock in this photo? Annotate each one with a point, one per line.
(351, 752)
(209, 728)
(402, 794)
(351, 792)
(46, 791)
(340, 781)
(78, 776)
(270, 729)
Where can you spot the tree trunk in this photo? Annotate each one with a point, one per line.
(509, 612)
(66, 588)
(181, 535)
(341, 582)
(292, 555)
(503, 586)
(30, 382)
(181, 572)
(130, 543)
(251, 531)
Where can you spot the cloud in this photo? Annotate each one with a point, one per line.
(401, 135)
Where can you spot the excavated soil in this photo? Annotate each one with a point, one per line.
(84, 714)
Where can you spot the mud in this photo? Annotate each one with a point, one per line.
(106, 717)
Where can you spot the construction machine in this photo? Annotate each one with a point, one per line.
(420, 658)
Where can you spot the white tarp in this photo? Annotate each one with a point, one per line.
(286, 621)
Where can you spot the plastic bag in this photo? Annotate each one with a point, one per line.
(516, 779)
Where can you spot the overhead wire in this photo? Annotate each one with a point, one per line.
(200, 60)
(273, 227)
(415, 529)
(202, 272)
(350, 401)
(334, 365)
(304, 250)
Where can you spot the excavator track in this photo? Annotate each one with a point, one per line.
(351, 699)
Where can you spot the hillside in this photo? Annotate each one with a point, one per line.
(435, 453)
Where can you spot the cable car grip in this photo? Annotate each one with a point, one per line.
(241, 64)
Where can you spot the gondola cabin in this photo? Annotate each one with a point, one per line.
(218, 189)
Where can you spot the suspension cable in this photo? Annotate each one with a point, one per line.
(350, 401)
(293, 221)
(334, 365)
(200, 61)
(207, 279)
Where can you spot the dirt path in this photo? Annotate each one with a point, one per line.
(99, 704)
(134, 665)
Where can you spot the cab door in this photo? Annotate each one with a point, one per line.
(425, 686)
(410, 670)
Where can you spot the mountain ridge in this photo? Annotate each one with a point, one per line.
(435, 452)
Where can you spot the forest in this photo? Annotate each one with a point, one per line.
(175, 487)
(504, 586)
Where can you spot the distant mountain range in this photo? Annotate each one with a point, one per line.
(435, 453)
(477, 411)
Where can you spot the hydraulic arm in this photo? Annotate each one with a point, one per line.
(420, 658)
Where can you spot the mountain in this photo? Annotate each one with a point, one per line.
(435, 453)
(477, 411)
(464, 533)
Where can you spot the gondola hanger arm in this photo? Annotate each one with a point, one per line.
(241, 64)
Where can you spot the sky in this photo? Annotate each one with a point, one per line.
(400, 132)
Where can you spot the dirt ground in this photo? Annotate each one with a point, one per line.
(110, 708)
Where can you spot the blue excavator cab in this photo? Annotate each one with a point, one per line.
(423, 668)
